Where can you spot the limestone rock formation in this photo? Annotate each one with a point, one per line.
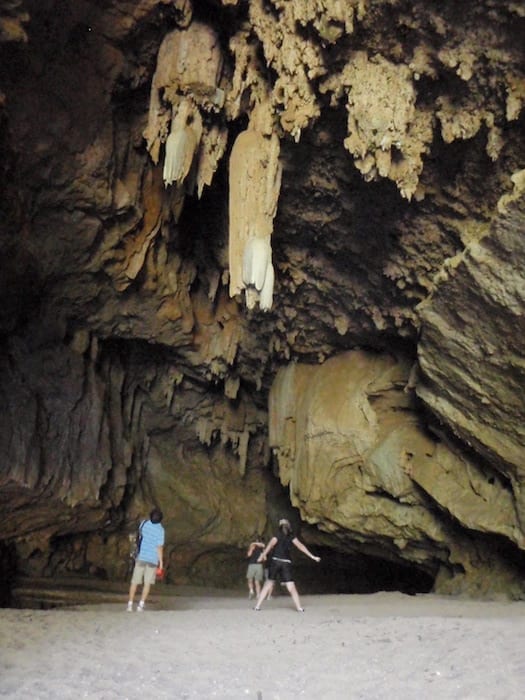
(255, 179)
(259, 256)
(475, 318)
(187, 79)
(359, 464)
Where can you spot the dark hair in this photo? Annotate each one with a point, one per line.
(156, 515)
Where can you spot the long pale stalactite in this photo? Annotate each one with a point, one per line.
(255, 180)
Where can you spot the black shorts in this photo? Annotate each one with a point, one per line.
(281, 570)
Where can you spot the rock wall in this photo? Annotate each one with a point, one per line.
(360, 465)
(474, 322)
(92, 436)
(196, 194)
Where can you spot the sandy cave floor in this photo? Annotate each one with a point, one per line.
(373, 647)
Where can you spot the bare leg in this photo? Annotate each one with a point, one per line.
(257, 588)
(292, 590)
(268, 587)
(145, 592)
(250, 586)
(132, 591)
(269, 596)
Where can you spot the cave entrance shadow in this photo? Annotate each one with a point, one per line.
(359, 574)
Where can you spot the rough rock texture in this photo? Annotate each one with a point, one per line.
(205, 202)
(477, 383)
(349, 444)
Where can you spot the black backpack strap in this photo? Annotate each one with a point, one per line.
(138, 539)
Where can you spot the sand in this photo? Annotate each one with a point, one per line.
(373, 647)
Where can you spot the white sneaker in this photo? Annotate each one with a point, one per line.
(140, 606)
(130, 607)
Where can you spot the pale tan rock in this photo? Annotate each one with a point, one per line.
(388, 135)
(182, 143)
(331, 18)
(297, 61)
(255, 181)
(349, 446)
(186, 82)
(249, 75)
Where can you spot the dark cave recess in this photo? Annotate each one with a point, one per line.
(359, 574)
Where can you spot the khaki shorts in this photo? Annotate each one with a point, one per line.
(255, 571)
(144, 573)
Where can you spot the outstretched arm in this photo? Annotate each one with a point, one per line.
(304, 549)
(271, 544)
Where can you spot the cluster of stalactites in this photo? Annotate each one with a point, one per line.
(387, 134)
(283, 72)
(185, 104)
(185, 126)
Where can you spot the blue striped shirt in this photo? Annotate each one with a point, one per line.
(152, 537)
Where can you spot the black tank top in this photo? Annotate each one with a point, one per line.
(255, 554)
(283, 547)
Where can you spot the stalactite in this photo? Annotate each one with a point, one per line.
(182, 143)
(257, 255)
(255, 181)
(266, 295)
(184, 88)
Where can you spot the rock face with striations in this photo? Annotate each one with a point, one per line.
(258, 243)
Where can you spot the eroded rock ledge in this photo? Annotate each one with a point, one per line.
(360, 465)
(220, 215)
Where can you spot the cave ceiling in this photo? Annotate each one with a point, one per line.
(248, 241)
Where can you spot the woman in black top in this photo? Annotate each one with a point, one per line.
(281, 563)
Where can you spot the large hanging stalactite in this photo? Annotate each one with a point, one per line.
(255, 181)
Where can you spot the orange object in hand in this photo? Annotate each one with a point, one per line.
(160, 572)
